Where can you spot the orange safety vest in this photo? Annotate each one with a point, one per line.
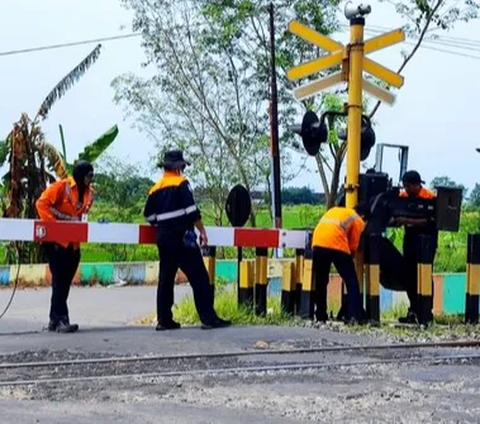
(424, 193)
(339, 229)
(60, 202)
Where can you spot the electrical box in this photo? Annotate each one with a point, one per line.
(448, 208)
(371, 185)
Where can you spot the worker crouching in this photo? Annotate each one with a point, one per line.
(67, 200)
(171, 209)
(335, 240)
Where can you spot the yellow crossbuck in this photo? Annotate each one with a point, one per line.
(339, 53)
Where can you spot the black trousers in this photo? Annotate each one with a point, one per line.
(63, 264)
(411, 245)
(174, 254)
(322, 262)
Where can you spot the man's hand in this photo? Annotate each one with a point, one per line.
(203, 238)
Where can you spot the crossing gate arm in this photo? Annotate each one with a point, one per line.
(120, 233)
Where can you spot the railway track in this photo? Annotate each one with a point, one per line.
(216, 363)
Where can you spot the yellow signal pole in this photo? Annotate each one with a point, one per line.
(355, 106)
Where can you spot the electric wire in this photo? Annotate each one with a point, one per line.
(15, 285)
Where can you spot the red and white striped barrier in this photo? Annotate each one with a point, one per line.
(115, 233)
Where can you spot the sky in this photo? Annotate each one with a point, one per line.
(435, 113)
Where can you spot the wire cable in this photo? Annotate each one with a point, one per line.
(72, 44)
(15, 285)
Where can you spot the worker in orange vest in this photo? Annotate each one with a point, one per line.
(67, 200)
(414, 228)
(335, 240)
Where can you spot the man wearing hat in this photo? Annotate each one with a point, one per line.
(171, 209)
(414, 228)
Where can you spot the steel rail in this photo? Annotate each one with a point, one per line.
(236, 370)
(240, 353)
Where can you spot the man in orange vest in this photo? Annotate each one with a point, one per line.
(335, 240)
(171, 209)
(414, 228)
(67, 200)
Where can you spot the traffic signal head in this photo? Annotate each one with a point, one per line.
(313, 131)
(367, 138)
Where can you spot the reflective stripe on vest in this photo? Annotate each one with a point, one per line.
(171, 215)
(342, 224)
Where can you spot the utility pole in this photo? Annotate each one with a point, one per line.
(274, 137)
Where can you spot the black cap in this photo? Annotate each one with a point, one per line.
(412, 177)
(173, 159)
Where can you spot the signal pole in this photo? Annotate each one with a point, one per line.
(355, 106)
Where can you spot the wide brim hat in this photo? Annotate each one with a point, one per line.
(173, 159)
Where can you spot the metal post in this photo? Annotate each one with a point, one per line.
(277, 200)
(354, 109)
(261, 281)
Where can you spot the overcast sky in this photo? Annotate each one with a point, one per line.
(435, 114)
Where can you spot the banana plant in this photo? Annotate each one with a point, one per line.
(91, 152)
(30, 157)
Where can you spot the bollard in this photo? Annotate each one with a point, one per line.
(424, 280)
(209, 258)
(307, 296)
(473, 279)
(299, 260)
(246, 274)
(373, 278)
(261, 280)
(360, 268)
(289, 287)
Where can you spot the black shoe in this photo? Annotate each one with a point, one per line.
(216, 323)
(172, 325)
(357, 321)
(322, 318)
(64, 327)
(52, 326)
(411, 318)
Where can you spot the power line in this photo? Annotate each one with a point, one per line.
(72, 44)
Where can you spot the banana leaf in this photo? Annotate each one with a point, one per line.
(94, 150)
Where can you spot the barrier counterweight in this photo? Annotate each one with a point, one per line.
(473, 279)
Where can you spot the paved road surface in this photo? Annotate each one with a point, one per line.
(368, 393)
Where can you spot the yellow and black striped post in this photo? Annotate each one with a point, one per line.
(245, 293)
(261, 281)
(299, 260)
(360, 268)
(372, 257)
(209, 258)
(307, 297)
(424, 280)
(289, 287)
(473, 279)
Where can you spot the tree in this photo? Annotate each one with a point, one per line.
(33, 161)
(209, 95)
(444, 181)
(422, 17)
(474, 197)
